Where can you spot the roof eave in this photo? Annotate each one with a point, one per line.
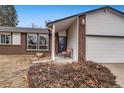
(52, 22)
(83, 13)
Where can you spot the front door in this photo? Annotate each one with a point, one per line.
(62, 43)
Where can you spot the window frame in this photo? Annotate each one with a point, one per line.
(46, 36)
(28, 43)
(10, 39)
(37, 42)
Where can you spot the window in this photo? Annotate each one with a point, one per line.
(32, 41)
(37, 42)
(5, 39)
(43, 42)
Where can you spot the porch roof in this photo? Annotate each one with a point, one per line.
(64, 24)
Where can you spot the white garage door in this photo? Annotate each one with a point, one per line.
(105, 49)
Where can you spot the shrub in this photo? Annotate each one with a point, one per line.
(74, 75)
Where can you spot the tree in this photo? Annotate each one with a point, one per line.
(1, 16)
(8, 16)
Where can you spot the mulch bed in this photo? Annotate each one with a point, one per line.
(74, 75)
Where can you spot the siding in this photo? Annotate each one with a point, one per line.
(104, 23)
(72, 40)
(105, 49)
(62, 33)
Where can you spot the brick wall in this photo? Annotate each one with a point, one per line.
(81, 41)
(17, 49)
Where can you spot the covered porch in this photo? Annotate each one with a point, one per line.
(64, 37)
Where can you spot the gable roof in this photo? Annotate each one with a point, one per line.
(23, 29)
(83, 13)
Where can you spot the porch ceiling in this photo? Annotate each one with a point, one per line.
(64, 24)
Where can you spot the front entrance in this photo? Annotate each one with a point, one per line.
(62, 44)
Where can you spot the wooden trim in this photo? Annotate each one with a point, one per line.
(105, 36)
(38, 50)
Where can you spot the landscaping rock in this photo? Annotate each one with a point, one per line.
(71, 75)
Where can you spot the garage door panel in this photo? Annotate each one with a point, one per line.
(105, 49)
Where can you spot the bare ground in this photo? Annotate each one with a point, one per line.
(13, 70)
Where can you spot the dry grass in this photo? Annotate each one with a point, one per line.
(13, 70)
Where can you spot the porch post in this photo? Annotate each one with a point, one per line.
(53, 43)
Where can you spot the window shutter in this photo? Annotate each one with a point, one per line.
(16, 39)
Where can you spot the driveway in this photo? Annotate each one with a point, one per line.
(118, 70)
(13, 70)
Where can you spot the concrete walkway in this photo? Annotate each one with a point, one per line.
(61, 59)
(118, 70)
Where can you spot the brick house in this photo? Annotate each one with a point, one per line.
(96, 35)
(19, 40)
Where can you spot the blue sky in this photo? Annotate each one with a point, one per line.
(38, 14)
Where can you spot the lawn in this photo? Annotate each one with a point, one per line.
(13, 70)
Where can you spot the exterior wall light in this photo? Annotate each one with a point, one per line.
(83, 21)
